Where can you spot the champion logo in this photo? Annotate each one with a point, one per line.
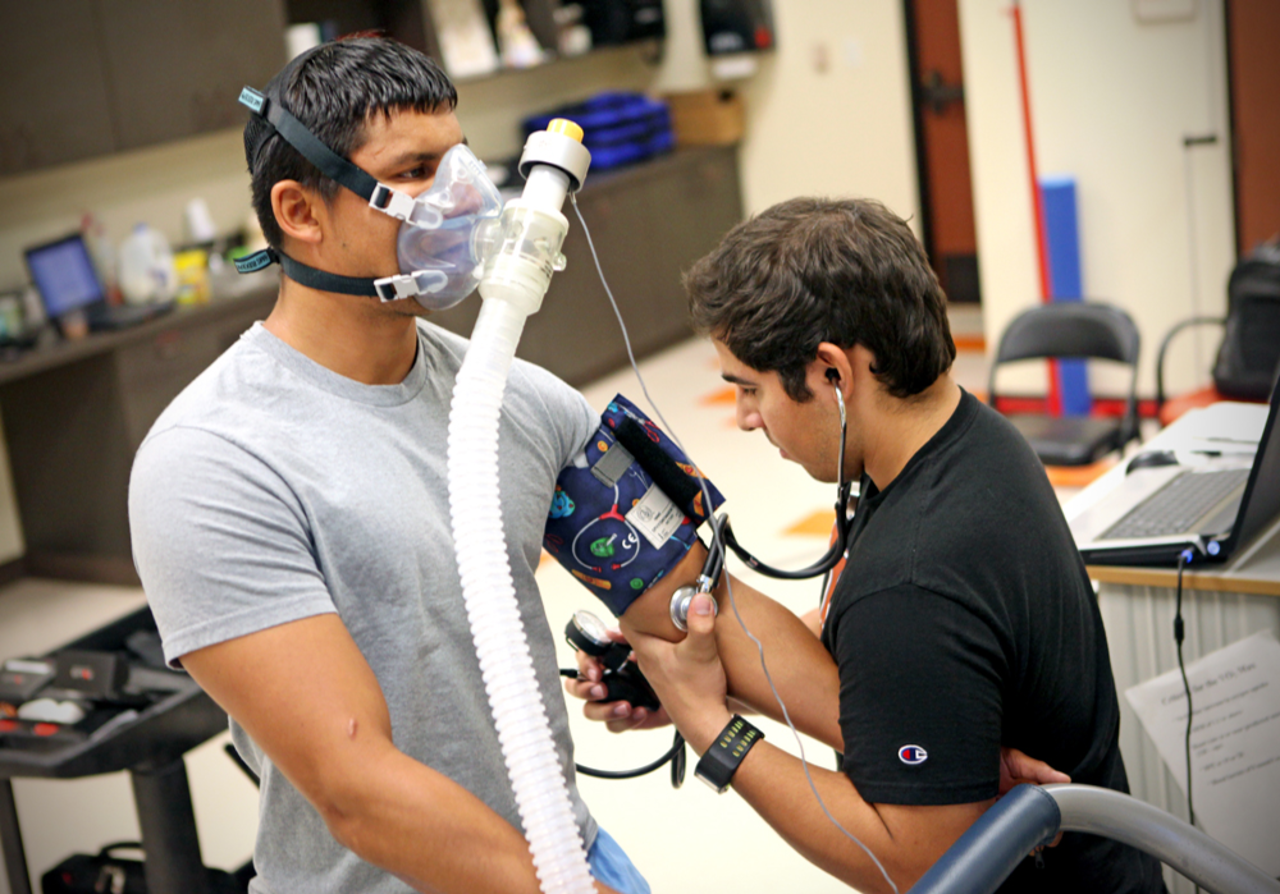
(912, 754)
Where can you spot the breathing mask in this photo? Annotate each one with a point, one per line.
(446, 232)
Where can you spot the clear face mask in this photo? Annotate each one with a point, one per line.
(450, 232)
(446, 232)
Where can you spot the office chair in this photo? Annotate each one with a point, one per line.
(1072, 329)
(1167, 411)
(1248, 358)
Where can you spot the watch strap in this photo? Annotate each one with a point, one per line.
(720, 761)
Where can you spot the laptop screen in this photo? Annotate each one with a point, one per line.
(1262, 495)
(63, 273)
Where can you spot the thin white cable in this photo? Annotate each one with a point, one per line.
(706, 497)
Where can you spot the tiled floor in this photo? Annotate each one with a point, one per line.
(681, 840)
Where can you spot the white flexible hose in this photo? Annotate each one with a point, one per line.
(541, 791)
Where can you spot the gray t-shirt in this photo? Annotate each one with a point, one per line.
(273, 489)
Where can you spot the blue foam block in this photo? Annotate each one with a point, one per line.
(1062, 238)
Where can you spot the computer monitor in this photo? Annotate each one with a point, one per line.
(63, 274)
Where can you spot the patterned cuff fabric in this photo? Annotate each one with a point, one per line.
(626, 510)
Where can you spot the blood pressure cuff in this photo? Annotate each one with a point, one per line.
(625, 511)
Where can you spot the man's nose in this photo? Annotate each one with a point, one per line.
(748, 418)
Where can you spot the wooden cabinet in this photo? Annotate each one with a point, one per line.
(84, 78)
(75, 414)
(54, 107)
(176, 69)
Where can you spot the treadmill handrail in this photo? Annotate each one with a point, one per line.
(1207, 862)
(1029, 816)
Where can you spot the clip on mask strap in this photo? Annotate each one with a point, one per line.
(380, 196)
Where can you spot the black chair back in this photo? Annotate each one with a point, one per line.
(1071, 329)
(1085, 329)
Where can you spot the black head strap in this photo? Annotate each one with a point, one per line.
(295, 133)
(330, 163)
(307, 276)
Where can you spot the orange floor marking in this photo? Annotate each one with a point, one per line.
(970, 342)
(816, 524)
(1078, 476)
(719, 396)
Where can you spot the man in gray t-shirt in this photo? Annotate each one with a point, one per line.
(290, 524)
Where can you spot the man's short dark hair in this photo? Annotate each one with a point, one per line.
(335, 90)
(810, 270)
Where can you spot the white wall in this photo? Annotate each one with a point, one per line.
(830, 111)
(1111, 100)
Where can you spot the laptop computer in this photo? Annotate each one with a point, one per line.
(64, 276)
(1214, 508)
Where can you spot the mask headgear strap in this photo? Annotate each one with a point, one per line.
(379, 196)
(309, 276)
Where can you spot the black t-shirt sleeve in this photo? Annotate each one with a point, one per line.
(920, 698)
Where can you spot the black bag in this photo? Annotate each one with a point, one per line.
(102, 874)
(108, 874)
(1249, 358)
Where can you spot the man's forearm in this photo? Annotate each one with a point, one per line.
(800, 666)
(906, 840)
(433, 834)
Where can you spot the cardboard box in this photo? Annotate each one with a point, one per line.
(710, 117)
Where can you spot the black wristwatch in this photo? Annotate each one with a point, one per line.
(721, 760)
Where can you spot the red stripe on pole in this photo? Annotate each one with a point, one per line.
(1037, 205)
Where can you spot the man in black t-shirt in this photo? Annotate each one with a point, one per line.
(963, 620)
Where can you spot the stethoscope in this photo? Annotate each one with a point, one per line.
(722, 536)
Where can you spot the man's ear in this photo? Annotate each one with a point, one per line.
(833, 366)
(298, 211)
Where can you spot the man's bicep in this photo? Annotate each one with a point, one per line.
(221, 543)
(305, 694)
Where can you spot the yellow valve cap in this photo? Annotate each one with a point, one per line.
(566, 127)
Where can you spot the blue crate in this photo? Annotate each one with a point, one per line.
(619, 128)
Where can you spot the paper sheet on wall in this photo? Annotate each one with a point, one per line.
(1235, 742)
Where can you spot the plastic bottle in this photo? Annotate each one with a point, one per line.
(103, 254)
(146, 267)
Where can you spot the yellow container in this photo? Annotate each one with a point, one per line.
(193, 276)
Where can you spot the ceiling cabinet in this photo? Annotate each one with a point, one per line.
(176, 69)
(85, 78)
(54, 107)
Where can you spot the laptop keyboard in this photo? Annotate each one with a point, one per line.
(1178, 505)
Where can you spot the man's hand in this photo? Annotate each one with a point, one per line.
(687, 676)
(1017, 768)
(617, 716)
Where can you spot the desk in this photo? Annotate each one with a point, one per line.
(1221, 603)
